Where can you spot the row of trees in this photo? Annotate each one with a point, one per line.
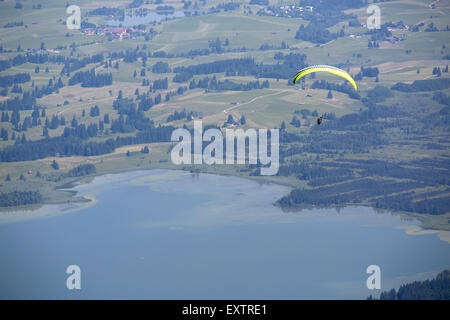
(91, 79)
(243, 67)
(19, 198)
(179, 115)
(73, 64)
(227, 85)
(344, 87)
(356, 191)
(28, 99)
(36, 58)
(315, 32)
(9, 80)
(72, 145)
(423, 85)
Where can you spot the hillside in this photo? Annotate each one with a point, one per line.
(137, 70)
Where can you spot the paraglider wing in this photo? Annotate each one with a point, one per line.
(325, 68)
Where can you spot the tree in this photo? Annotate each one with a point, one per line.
(242, 121)
(15, 117)
(4, 134)
(283, 125)
(55, 165)
(36, 70)
(330, 95)
(295, 122)
(74, 122)
(230, 119)
(158, 99)
(145, 150)
(95, 111)
(161, 67)
(8, 178)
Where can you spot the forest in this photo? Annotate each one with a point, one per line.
(379, 183)
(91, 79)
(423, 85)
(9, 80)
(435, 289)
(19, 198)
(243, 67)
(227, 85)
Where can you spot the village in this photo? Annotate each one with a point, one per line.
(288, 11)
(115, 32)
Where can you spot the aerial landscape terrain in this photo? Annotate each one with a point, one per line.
(84, 102)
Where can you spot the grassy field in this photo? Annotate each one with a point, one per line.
(261, 107)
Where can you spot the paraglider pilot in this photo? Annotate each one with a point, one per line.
(319, 120)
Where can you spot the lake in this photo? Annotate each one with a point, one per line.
(162, 234)
(150, 17)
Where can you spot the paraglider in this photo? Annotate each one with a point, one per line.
(325, 68)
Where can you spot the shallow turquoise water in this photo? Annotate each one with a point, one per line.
(172, 235)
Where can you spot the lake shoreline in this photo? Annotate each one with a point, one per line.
(140, 214)
(65, 194)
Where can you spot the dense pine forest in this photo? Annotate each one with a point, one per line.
(435, 289)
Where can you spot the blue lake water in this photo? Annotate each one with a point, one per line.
(150, 17)
(171, 235)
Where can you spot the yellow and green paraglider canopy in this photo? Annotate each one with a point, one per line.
(325, 68)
